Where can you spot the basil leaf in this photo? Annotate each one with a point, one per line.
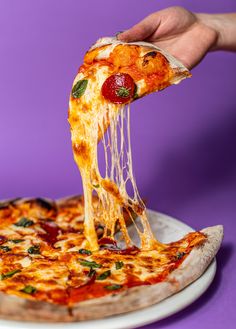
(79, 88)
(90, 264)
(180, 255)
(85, 252)
(34, 250)
(29, 290)
(5, 248)
(16, 240)
(119, 265)
(91, 273)
(113, 287)
(4, 276)
(96, 185)
(123, 92)
(136, 96)
(24, 222)
(104, 275)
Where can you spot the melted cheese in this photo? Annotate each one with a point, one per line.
(66, 271)
(92, 118)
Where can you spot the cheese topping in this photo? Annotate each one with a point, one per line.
(54, 264)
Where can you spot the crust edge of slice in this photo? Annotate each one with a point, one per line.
(16, 308)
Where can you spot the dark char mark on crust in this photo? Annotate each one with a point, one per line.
(9, 202)
(43, 203)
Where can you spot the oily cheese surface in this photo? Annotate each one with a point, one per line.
(51, 276)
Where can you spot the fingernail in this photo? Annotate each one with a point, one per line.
(117, 33)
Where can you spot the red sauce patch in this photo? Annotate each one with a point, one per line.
(88, 291)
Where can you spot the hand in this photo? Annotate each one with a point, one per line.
(185, 35)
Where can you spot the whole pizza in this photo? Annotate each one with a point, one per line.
(74, 259)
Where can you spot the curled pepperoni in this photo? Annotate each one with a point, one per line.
(52, 230)
(119, 88)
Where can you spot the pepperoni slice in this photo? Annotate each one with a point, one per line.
(119, 88)
(52, 230)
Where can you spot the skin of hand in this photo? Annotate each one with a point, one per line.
(186, 35)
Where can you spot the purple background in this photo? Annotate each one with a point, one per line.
(183, 138)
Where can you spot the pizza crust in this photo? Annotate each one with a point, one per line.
(139, 297)
(16, 308)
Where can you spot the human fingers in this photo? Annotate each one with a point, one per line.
(142, 30)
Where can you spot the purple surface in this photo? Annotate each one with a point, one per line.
(183, 138)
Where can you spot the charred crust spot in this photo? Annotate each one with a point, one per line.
(14, 201)
(147, 56)
(40, 202)
(151, 54)
(7, 203)
(4, 205)
(43, 203)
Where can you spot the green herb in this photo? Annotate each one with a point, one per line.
(5, 248)
(7, 275)
(91, 273)
(113, 287)
(85, 252)
(79, 88)
(180, 255)
(16, 240)
(90, 264)
(104, 275)
(34, 250)
(123, 92)
(119, 265)
(24, 222)
(136, 96)
(96, 185)
(29, 290)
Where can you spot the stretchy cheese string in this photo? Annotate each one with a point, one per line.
(111, 124)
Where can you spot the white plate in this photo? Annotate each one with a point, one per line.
(166, 229)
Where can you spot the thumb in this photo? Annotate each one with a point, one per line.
(142, 30)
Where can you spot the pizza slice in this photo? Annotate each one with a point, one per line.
(127, 71)
(112, 76)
